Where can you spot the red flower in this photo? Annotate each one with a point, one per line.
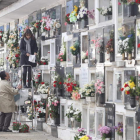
(138, 45)
(126, 85)
(60, 83)
(17, 61)
(55, 82)
(44, 63)
(122, 89)
(42, 83)
(39, 75)
(0, 36)
(35, 101)
(16, 55)
(54, 85)
(127, 92)
(7, 57)
(75, 85)
(36, 26)
(137, 1)
(39, 111)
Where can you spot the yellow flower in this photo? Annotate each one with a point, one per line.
(131, 84)
(84, 138)
(74, 49)
(76, 14)
(71, 47)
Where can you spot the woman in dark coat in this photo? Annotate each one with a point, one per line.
(28, 46)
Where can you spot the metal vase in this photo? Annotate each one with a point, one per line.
(101, 57)
(102, 98)
(123, 56)
(133, 9)
(132, 101)
(129, 56)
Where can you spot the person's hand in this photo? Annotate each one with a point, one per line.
(27, 54)
(19, 87)
(35, 53)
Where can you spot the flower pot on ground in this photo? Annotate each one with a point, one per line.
(102, 98)
(24, 129)
(52, 121)
(16, 126)
(129, 56)
(90, 99)
(132, 101)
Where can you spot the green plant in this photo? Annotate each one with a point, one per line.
(78, 116)
(75, 48)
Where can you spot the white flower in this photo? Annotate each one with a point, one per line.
(71, 111)
(110, 9)
(127, 88)
(58, 25)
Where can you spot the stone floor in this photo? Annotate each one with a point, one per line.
(33, 135)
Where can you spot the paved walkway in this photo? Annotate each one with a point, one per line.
(38, 135)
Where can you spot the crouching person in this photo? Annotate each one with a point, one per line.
(7, 103)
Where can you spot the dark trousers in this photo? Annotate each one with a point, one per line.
(25, 69)
(5, 120)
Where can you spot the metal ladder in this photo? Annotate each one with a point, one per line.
(32, 91)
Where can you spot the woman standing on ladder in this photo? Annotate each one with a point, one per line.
(28, 46)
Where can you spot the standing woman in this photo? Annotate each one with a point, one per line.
(28, 46)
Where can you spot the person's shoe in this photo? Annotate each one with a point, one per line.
(29, 86)
(8, 130)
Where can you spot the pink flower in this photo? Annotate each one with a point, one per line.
(52, 103)
(55, 104)
(47, 105)
(119, 3)
(61, 60)
(86, 53)
(65, 23)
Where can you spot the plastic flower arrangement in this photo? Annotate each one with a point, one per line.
(70, 84)
(75, 49)
(6, 36)
(99, 45)
(73, 15)
(24, 128)
(45, 24)
(41, 112)
(82, 14)
(62, 54)
(84, 55)
(88, 90)
(43, 88)
(138, 131)
(80, 132)
(106, 10)
(119, 129)
(91, 14)
(35, 26)
(130, 87)
(105, 132)
(75, 95)
(99, 86)
(67, 18)
(109, 46)
(58, 81)
(73, 113)
(86, 137)
(43, 61)
(53, 104)
(16, 125)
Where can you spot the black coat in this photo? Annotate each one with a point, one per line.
(23, 57)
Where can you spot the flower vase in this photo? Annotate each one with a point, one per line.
(107, 138)
(108, 17)
(86, 60)
(69, 27)
(82, 24)
(72, 119)
(43, 36)
(123, 56)
(74, 59)
(133, 9)
(44, 96)
(90, 99)
(63, 64)
(111, 57)
(52, 122)
(132, 101)
(15, 131)
(59, 91)
(102, 98)
(120, 138)
(51, 33)
(129, 56)
(101, 57)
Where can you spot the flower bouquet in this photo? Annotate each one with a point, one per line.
(24, 129)
(77, 115)
(91, 14)
(75, 49)
(43, 61)
(86, 137)
(75, 95)
(81, 132)
(105, 132)
(53, 104)
(70, 112)
(138, 132)
(16, 126)
(73, 15)
(69, 83)
(130, 89)
(41, 113)
(119, 129)
(62, 54)
(82, 14)
(6, 36)
(67, 18)
(84, 56)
